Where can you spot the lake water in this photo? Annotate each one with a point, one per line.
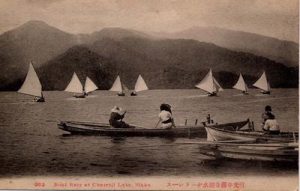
(31, 144)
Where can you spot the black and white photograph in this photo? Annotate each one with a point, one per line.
(149, 95)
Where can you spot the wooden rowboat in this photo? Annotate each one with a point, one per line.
(103, 129)
(218, 134)
(283, 152)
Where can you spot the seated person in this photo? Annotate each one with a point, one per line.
(271, 125)
(165, 117)
(116, 116)
(265, 115)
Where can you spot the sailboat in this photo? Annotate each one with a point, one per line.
(140, 85)
(241, 85)
(89, 86)
(117, 87)
(210, 84)
(75, 87)
(263, 84)
(32, 85)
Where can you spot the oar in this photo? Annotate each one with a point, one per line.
(157, 123)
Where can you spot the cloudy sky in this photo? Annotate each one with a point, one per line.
(275, 18)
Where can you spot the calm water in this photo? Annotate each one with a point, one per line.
(31, 143)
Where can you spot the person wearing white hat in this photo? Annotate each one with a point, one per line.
(116, 118)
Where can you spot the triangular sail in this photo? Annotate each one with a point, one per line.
(89, 85)
(240, 84)
(140, 85)
(75, 85)
(117, 86)
(262, 83)
(32, 84)
(217, 85)
(209, 84)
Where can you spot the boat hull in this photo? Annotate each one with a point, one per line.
(39, 99)
(102, 129)
(217, 134)
(107, 130)
(121, 94)
(255, 152)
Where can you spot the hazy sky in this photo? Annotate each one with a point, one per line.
(275, 18)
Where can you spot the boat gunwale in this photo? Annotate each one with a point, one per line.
(263, 134)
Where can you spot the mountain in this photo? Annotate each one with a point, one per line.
(182, 63)
(111, 33)
(164, 63)
(57, 73)
(285, 52)
(33, 41)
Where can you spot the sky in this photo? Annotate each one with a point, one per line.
(274, 18)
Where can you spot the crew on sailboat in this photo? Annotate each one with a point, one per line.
(116, 118)
(166, 120)
(39, 99)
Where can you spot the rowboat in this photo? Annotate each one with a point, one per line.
(278, 152)
(103, 129)
(218, 134)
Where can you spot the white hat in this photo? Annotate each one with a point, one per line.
(115, 109)
(118, 110)
(121, 111)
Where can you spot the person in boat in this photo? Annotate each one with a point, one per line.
(121, 93)
(271, 125)
(165, 117)
(116, 118)
(133, 93)
(266, 114)
(39, 99)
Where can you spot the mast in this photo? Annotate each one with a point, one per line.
(32, 85)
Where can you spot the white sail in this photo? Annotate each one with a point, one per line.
(75, 85)
(32, 84)
(89, 85)
(117, 86)
(209, 84)
(240, 84)
(262, 83)
(140, 85)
